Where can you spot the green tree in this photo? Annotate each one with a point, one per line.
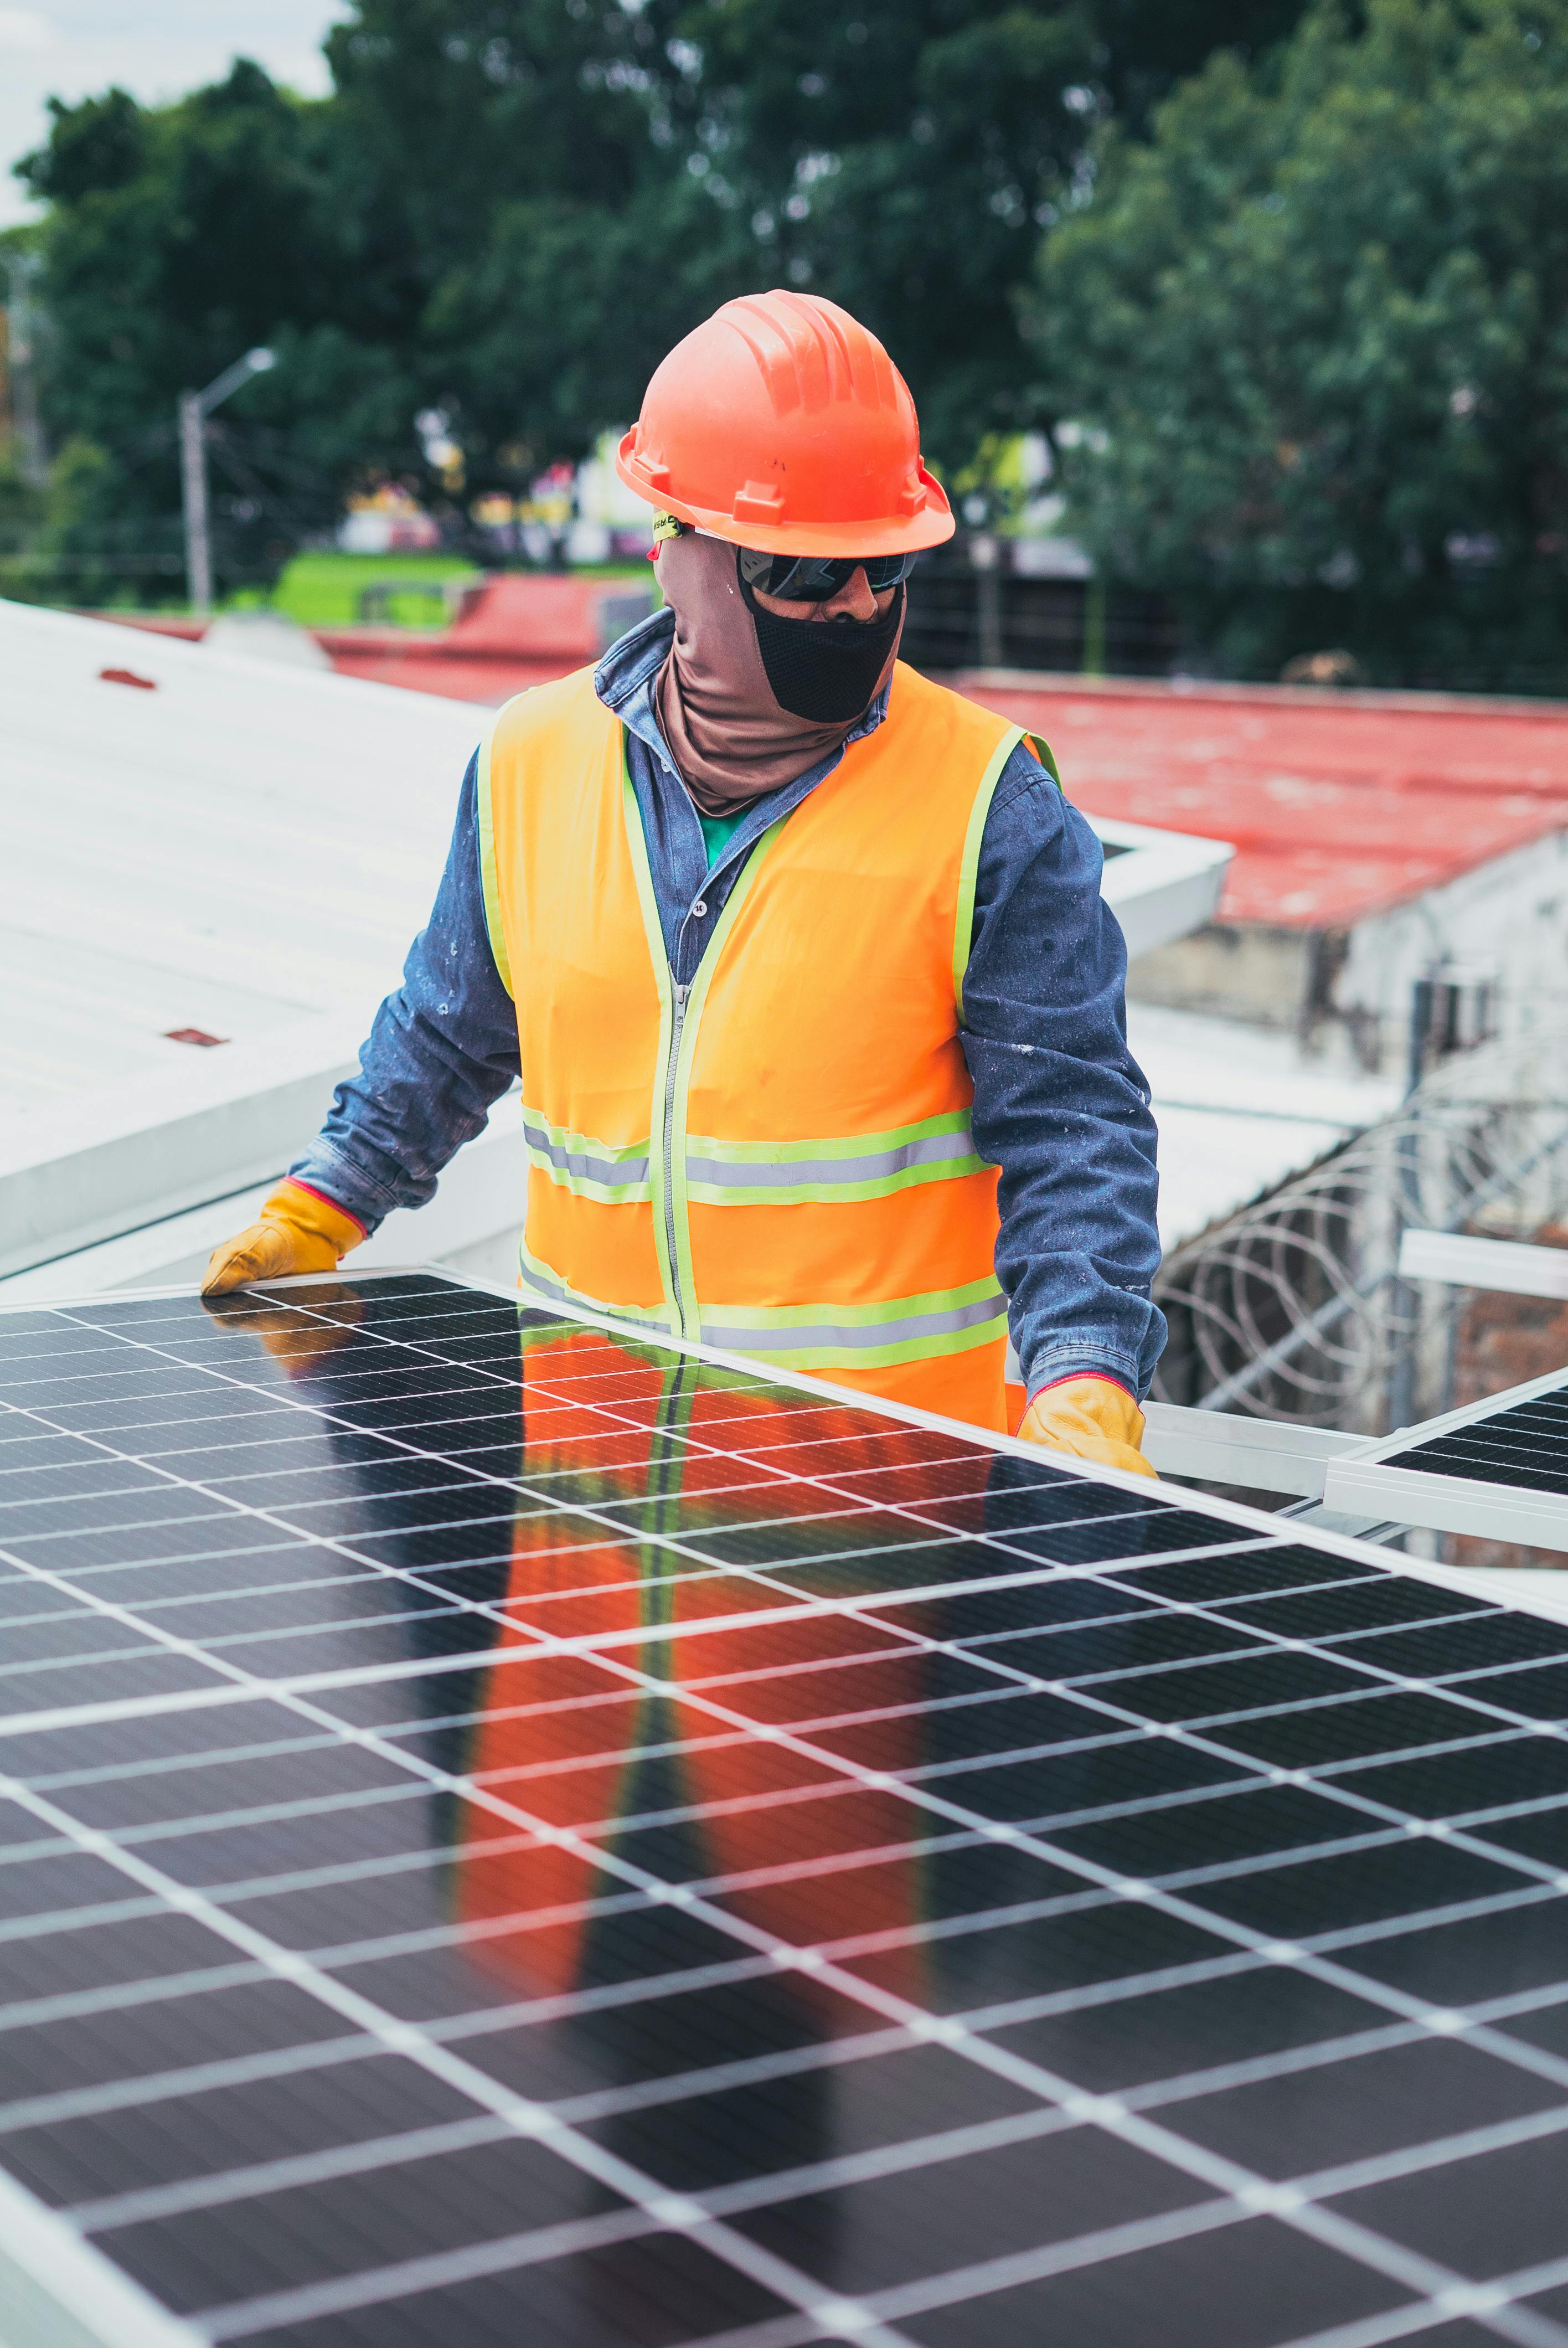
(508, 210)
(21, 514)
(1313, 342)
(176, 238)
(534, 241)
(902, 157)
(571, 185)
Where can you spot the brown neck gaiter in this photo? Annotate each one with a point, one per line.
(731, 741)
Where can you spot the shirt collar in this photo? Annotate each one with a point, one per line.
(626, 676)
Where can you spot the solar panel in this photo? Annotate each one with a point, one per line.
(512, 1832)
(1498, 1467)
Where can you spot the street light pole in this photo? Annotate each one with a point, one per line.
(193, 494)
(194, 409)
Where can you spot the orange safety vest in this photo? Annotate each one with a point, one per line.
(776, 1158)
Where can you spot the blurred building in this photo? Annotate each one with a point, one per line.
(1381, 838)
(387, 521)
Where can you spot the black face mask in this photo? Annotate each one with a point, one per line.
(825, 670)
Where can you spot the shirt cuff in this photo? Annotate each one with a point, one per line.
(1066, 1377)
(1068, 1359)
(344, 1186)
(335, 1204)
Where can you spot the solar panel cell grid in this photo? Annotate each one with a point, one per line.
(1522, 1447)
(507, 1824)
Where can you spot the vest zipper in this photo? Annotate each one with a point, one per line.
(677, 1028)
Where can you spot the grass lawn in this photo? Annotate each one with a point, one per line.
(322, 590)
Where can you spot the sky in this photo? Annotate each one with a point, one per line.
(155, 48)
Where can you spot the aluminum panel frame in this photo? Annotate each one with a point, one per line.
(1370, 1485)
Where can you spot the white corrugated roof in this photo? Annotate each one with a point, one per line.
(239, 848)
(1240, 1110)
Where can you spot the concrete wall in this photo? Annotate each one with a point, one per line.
(1256, 974)
(1511, 914)
(1510, 917)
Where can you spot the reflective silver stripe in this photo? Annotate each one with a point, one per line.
(784, 1174)
(798, 1335)
(611, 1173)
(534, 1282)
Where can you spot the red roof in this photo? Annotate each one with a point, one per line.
(518, 629)
(1339, 804)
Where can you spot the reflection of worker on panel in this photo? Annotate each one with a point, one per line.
(595, 1670)
(802, 959)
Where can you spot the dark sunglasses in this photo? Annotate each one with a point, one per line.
(813, 579)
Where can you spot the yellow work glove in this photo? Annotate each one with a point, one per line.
(299, 1231)
(1093, 1418)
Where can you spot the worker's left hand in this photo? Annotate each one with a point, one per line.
(1093, 1418)
(298, 1230)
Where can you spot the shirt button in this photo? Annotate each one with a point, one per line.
(700, 909)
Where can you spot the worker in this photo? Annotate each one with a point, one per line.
(801, 958)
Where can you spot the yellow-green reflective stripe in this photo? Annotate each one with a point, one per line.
(869, 1349)
(789, 1192)
(540, 1281)
(969, 870)
(836, 1146)
(881, 1314)
(867, 1166)
(487, 866)
(909, 1328)
(668, 1136)
(590, 1168)
(823, 1360)
(1044, 753)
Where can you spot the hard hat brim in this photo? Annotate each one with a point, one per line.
(932, 525)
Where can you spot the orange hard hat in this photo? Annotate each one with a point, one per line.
(782, 424)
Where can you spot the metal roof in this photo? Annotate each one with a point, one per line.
(1340, 804)
(1240, 1110)
(200, 842)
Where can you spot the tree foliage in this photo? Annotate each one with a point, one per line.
(903, 156)
(1312, 339)
(508, 210)
(176, 238)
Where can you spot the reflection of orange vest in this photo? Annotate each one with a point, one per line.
(776, 1158)
(794, 1845)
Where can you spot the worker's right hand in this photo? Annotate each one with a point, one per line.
(1089, 1418)
(299, 1231)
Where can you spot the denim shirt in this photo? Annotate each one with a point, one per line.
(1061, 1106)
